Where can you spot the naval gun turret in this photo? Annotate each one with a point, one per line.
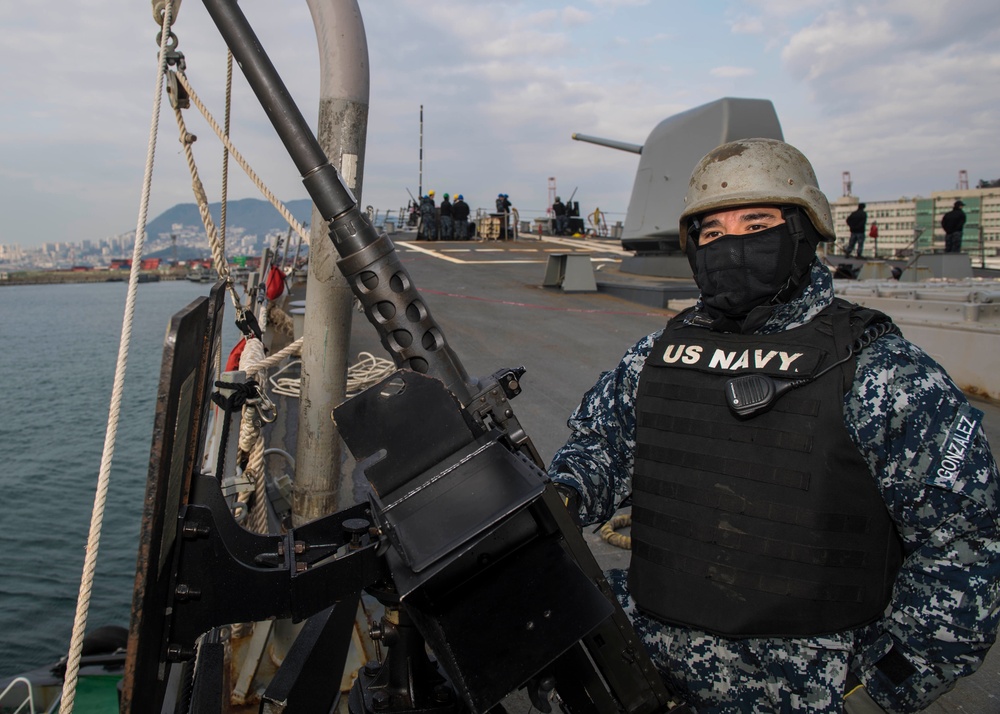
(668, 156)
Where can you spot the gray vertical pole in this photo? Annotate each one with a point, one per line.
(320, 487)
(982, 244)
(420, 177)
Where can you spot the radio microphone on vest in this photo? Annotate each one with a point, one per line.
(754, 393)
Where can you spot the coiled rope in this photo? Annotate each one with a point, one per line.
(368, 370)
(609, 530)
(287, 386)
(114, 413)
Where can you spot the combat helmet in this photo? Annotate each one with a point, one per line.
(751, 172)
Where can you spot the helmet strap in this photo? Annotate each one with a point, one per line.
(691, 244)
(804, 241)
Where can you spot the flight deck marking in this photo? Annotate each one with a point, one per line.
(460, 261)
(441, 254)
(432, 253)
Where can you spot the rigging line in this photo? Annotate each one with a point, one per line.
(224, 138)
(218, 249)
(294, 348)
(224, 200)
(225, 152)
(100, 497)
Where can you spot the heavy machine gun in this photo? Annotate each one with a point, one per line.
(464, 540)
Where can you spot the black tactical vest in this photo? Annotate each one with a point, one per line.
(770, 525)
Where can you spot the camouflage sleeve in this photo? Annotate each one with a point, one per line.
(925, 445)
(597, 458)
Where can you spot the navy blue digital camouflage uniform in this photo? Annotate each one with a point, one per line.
(428, 219)
(925, 447)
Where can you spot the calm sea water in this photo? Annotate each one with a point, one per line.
(58, 348)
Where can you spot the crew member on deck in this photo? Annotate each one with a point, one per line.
(562, 220)
(445, 220)
(504, 209)
(953, 223)
(460, 216)
(428, 217)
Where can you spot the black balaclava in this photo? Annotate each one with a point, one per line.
(737, 273)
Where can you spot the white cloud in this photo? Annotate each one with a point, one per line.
(744, 25)
(619, 3)
(574, 17)
(732, 72)
(901, 93)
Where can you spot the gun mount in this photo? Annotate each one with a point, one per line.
(464, 540)
(669, 154)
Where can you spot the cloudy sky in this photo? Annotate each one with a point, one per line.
(902, 93)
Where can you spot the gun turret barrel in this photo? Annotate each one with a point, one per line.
(610, 143)
(368, 260)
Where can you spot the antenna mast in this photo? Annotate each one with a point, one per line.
(420, 178)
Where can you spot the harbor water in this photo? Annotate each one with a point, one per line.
(58, 350)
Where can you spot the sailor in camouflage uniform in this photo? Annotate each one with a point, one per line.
(818, 536)
(428, 217)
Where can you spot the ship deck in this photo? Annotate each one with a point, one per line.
(489, 300)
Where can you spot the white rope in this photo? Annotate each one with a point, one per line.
(252, 440)
(295, 348)
(224, 138)
(214, 242)
(224, 203)
(104, 478)
(287, 386)
(368, 370)
(250, 360)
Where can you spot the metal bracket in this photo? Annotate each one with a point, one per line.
(491, 408)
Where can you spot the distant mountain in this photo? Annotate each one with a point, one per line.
(253, 215)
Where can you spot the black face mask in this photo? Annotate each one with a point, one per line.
(738, 273)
